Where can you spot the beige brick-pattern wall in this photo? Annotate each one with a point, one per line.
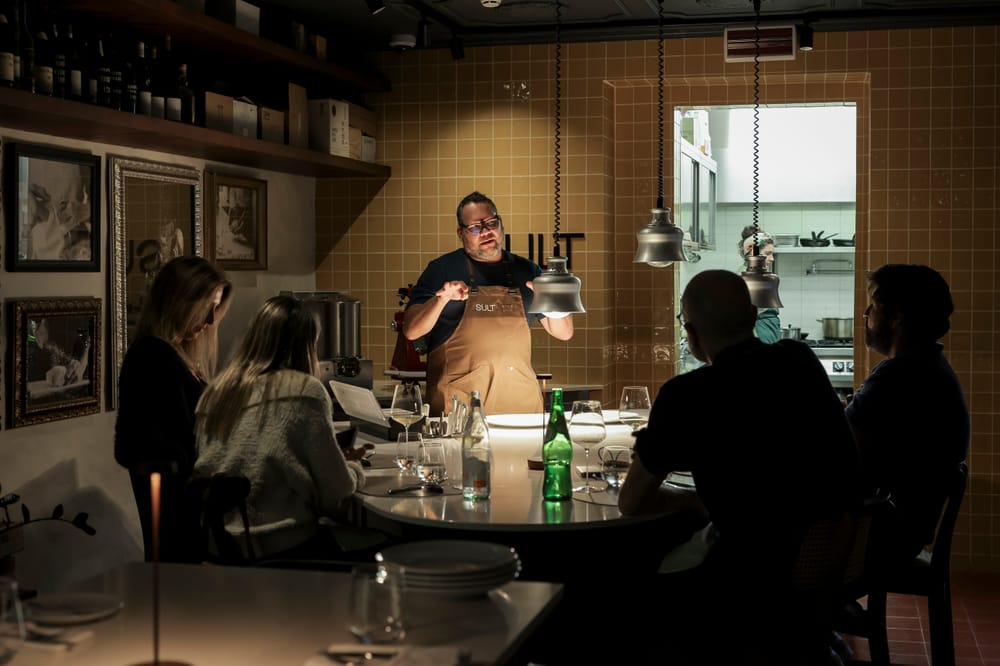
(928, 177)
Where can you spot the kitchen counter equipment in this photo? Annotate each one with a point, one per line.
(837, 327)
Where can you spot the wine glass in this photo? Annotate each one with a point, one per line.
(407, 407)
(11, 620)
(633, 410)
(586, 429)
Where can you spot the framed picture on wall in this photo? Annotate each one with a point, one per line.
(54, 359)
(236, 222)
(53, 208)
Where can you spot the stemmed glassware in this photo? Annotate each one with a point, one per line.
(407, 407)
(11, 620)
(633, 410)
(586, 429)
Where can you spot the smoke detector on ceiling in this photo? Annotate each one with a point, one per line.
(490, 4)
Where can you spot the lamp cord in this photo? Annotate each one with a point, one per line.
(659, 102)
(756, 123)
(555, 235)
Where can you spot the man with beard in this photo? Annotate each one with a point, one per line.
(909, 416)
(471, 305)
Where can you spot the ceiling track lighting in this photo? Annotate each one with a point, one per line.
(763, 284)
(660, 243)
(557, 291)
(375, 6)
(805, 37)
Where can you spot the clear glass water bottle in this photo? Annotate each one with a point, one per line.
(476, 454)
(557, 453)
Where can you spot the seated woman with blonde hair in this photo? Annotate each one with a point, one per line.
(269, 418)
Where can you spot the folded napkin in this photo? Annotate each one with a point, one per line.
(396, 655)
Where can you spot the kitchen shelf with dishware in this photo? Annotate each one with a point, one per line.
(814, 250)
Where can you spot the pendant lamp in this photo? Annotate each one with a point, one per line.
(557, 291)
(763, 284)
(660, 242)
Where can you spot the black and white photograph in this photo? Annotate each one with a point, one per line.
(55, 368)
(53, 209)
(236, 221)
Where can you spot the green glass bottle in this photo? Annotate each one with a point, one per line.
(557, 453)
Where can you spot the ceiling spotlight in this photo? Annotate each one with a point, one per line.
(805, 37)
(490, 4)
(375, 6)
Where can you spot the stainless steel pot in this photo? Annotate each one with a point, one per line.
(834, 327)
(791, 333)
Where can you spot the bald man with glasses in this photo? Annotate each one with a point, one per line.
(471, 305)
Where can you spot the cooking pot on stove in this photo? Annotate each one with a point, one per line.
(793, 333)
(834, 327)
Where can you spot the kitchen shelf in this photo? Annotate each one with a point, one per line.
(76, 120)
(209, 36)
(797, 249)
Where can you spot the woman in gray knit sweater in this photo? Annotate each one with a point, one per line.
(269, 418)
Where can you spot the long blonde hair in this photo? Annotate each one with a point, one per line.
(176, 305)
(282, 335)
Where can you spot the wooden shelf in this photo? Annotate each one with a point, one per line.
(76, 120)
(796, 249)
(208, 36)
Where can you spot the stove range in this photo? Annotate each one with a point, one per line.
(836, 355)
(831, 342)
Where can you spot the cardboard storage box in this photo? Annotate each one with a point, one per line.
(297, 118)
(317, 46)
(329, 127)
(355, 135)
(272, 125)
(217, 112)
(244, 118)
(362, 146)
(362, 118)
(241, 14)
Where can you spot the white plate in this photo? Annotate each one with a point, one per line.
(537, 420)
(449, 557)
(517, 420)
(68, 609)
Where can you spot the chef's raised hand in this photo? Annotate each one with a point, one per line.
(454, 291)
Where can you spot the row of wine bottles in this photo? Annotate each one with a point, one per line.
(43, 54)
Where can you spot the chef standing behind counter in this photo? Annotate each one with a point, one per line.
(471, 305)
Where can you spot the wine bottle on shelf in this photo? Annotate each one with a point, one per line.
(130, 84)
(171, 72)
(27, 44)
(7, 49)
(42, 71)
(74, 66)
(116, 67)
(557, 453)
(476, 453)
(186, 94)
(57, 41)
(158, 100)
(143, 88)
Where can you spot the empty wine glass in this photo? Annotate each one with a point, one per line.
(586, 429)
(407, 407)
(633, 410)
(11, 620)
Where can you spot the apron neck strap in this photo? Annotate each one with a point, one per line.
(508, 275)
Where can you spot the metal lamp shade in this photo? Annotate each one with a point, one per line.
(557, 291)
(660, 242)
(763, 285)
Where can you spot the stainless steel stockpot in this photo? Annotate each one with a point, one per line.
(834, 327)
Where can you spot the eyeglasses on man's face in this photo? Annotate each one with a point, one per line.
(489, 224)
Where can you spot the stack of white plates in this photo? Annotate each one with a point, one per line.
(451, 567)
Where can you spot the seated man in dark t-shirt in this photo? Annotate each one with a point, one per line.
(909, 416)
(764, 436)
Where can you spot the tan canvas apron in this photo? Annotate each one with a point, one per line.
(489, 352)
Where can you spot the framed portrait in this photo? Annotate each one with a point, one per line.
(53, 208)
(55, 359)
(236, 222)
(156, 215)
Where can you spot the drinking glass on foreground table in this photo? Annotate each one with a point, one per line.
(375, 604)
(11, 620)
(633, 410)
(407, 407)
(407, 444)
(586, 429)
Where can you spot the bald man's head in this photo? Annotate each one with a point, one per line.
(717, 306)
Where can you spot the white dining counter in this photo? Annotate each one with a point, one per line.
(223, 616)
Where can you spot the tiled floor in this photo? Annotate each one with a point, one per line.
(976, 608)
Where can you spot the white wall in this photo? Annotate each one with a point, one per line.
(71, 461)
